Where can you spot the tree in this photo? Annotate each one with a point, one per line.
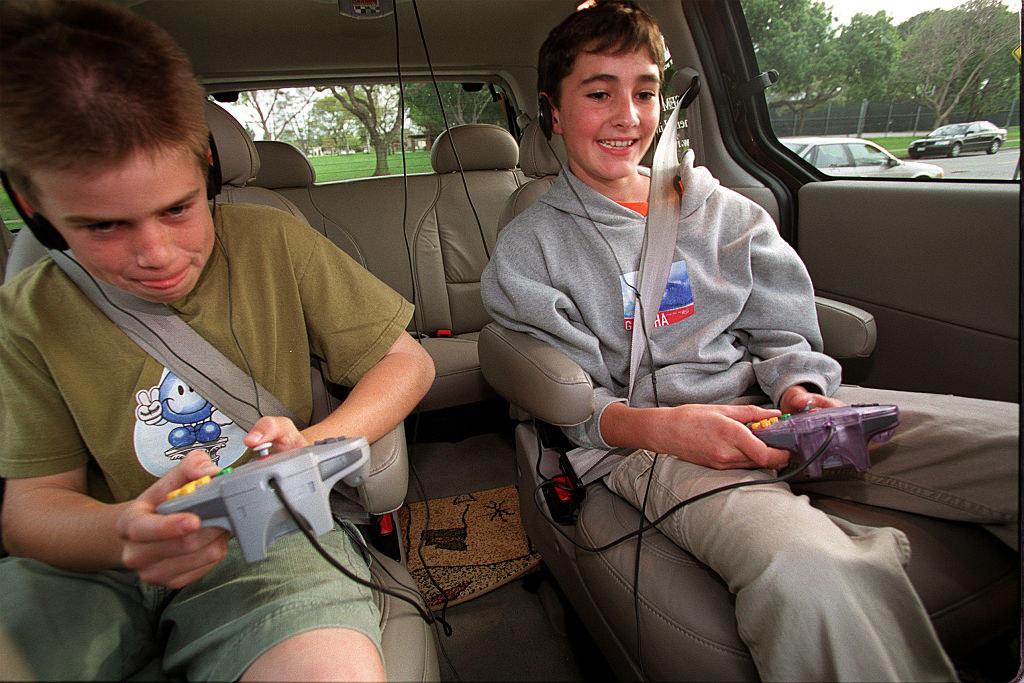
(278, 110)
(869, 46)
(796, 38)
(956, 57)
(463, 103)
(377, 108)
(1001, 85)
(331, 126)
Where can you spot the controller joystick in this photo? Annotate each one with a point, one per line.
(805, 433)
(242, 501)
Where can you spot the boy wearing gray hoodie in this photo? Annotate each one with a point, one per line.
(737, 327)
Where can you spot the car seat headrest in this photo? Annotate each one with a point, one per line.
(282, 165)
(239, 162)
(538, 156)
(480, 147)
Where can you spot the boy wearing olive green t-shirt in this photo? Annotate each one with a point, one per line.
(107, 142)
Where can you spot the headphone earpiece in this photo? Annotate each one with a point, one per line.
(36, 222)
(213, 177)
(544, 116)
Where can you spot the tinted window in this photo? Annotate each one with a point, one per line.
(892, 77)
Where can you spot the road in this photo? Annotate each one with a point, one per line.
(976, 165)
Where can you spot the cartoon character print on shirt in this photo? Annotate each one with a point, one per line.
(676, 305)
(172, 419)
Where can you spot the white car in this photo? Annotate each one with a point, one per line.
(856, 157)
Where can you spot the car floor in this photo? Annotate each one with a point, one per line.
(524, 630)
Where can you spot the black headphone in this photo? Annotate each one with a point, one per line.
(48, 235)
(544, 117)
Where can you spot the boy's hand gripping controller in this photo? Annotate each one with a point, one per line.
(242, 501)
(805, 433)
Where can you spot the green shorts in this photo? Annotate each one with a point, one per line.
(109, 625)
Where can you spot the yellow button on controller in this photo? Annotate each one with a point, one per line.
(189, 487)
(767, 422)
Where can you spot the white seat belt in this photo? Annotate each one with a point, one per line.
(660, 234)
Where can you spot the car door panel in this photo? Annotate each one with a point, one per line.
(938, 266)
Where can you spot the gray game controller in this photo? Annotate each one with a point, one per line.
(242, 501)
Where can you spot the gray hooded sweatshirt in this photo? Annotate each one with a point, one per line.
(738, 315)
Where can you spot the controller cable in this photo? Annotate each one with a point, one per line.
(416, 323)
(307, 530)
(675, 508)
(447, 127)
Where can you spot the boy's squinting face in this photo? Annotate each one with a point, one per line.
(608, 112)
(143, 226)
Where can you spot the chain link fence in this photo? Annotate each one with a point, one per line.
(880, 117)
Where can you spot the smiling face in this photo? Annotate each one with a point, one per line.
(142, 225)
(607, 113)
(181, 403)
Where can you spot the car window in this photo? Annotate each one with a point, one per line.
(866, 155)
(352, 131)
(797, 148)
(915, 71)
(945, 131)
(830, 156)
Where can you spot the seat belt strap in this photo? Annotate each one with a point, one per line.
(659, 242)
(182, 350)
(661, 228)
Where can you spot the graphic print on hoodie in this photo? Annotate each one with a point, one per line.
(676, 304)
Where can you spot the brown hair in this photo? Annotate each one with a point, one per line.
(85, 83)
(607, 26)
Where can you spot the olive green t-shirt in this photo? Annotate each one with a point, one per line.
(74, 390)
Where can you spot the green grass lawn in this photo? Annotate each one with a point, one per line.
(11, 218)
(362, 165)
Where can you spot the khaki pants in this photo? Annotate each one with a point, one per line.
(819, 598)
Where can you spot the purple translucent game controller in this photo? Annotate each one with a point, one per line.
(805, 433)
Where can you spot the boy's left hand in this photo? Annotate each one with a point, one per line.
(797, 398)
(280, 432)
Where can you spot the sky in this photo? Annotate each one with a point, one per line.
(899, 10)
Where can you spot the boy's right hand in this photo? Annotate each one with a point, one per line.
(717, 436)
(170, 550)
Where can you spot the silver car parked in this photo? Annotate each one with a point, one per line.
(856, 157)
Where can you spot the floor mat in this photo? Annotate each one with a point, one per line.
(474, 543)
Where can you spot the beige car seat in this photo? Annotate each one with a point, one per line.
(427, 235)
